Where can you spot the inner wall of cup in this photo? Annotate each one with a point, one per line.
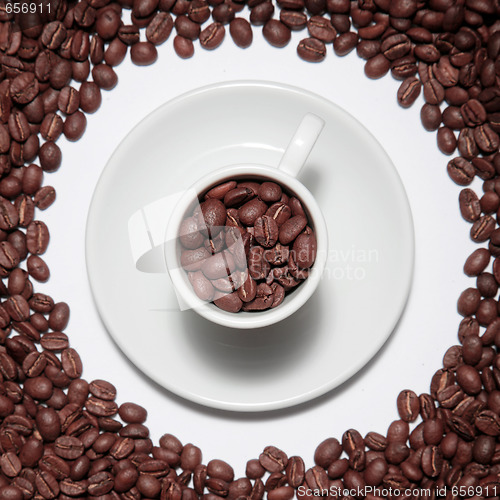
(242, 178)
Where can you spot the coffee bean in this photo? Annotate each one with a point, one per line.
(220, 191)
(430, 116)
(294, 20)
(223, 13)
(241, 32)
(255, 471)
(395, 46)
(80, 46)
(59, 316)
(403, 9)
(264, 299)
(51, 127)
(305, 249)
(115, 53)
(270, 192)
(461, 171)
(432, 461)
(103, 390)
(46, 484)
(101, 407)
(191, 260)
(190, 457)
(469, 380)
(24, 88)
(189, 234)
(44, 197)
(125, 479)
(68, 447)
(48, 423)
(280, 212)
(238, 196)
(37, 237)
(100, 483)
(75, 126)
(326, 452)
(71, 363)
(17, 308)
(377, 66)
(248, 290)
(72, 488)
(90, 97)
(132, 413)
(488, 422)
(409, 91)
(481, 229)
(473, 113)
(251, 210)
(19, 128)
(266, 231)
(50, 156)
(107, 24)
(104, 76)
(122, 448)
(276, 33)
(468, 302)
(477, 262)
(291, 229)
(143, 53)
(467, 145)
(261, 13)
(220, 470)
(60, 74)
(159, 28)
(212, 36)
(367, 49)
(408, 406)
(311, 50)
(183, 47)
(321, 29)
(427, 53)
(187, 28)
(403, 67)
(55, 341)
(375, 441)
(273, 459)
(452, 118)
(217, 265)
(486, 138)
(446, 140)
(345, 43)
(433, 92)
(484, 169)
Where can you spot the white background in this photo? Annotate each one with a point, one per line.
(429, 324)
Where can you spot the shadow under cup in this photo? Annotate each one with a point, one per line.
(294, 299)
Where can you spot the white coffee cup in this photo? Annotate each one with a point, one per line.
(285, 174)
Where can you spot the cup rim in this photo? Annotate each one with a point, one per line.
(245, 320)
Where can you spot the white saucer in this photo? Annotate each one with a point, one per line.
(367, 278)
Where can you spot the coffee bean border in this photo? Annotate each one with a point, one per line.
(63, 437)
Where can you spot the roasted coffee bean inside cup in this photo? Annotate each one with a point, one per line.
(246, 244)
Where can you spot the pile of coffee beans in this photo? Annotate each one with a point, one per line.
(247, 244)
(63, 437)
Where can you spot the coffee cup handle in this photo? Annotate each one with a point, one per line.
(146, 225)
(301, 144)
